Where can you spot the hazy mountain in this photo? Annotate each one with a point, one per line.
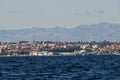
(97, 32)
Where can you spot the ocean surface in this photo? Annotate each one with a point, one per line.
(90, 67)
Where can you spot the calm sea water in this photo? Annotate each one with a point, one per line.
(90, 67)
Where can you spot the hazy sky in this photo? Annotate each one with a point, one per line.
(15, 14)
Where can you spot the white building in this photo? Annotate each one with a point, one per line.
(42, 53)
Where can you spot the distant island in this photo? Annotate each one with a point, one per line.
(95, 32)
(57, 48)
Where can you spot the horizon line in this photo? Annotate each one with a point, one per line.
(50, 27)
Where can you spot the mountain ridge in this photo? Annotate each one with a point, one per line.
(93, 32)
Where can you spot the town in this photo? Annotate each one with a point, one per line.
(58, 48)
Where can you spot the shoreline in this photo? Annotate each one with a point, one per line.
(60, 55)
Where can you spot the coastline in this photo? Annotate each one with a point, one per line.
(57, 55)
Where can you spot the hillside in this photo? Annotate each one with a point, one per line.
(97, 32)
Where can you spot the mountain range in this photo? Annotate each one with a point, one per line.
(94, 32)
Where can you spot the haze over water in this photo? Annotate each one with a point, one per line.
(59, 20)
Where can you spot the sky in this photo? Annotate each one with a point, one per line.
(18, 14)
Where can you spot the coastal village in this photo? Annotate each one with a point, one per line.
(51, 48)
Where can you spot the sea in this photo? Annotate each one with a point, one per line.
(89, 67)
